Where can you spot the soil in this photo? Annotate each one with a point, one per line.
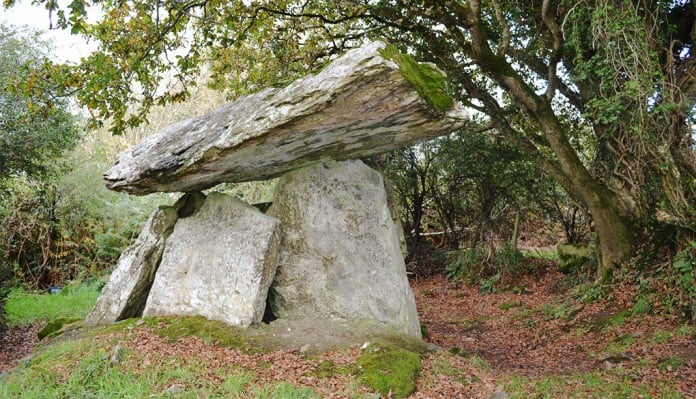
(17, 344)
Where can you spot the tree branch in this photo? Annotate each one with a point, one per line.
(505, 42)
(557, 35)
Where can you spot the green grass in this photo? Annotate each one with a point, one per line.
(619, 345)
(586, 385)
(510, 304)
(81, 369)
(661, 336)
(74, 301)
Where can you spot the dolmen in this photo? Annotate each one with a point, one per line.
(328, 247)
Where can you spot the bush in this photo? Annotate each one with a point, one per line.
(51, 234)
(665, 286)
(509, 260)
(5, 277)
(467, 264)
(489, 269)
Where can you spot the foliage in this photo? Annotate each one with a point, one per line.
(665, 286)
(35, 127)
(600, 93)
(465, 188)
(465, 263)
(75, 227)
(389, 370)
(50, 234)
(75, 300)
(498, 267)
(684, 269)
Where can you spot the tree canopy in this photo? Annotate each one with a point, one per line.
(599, 92)
(35, 128)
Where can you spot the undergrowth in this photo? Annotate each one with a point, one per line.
(492, 269)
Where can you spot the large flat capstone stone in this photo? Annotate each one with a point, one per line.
(340, 255)
(125, 294)
(359, 105)
(218, 263)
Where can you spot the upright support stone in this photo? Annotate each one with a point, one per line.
(125, 294)
(218, 263)
(340, 255)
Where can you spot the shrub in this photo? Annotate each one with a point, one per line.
(466, 264)
(489, 269)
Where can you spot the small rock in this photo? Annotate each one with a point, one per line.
(116, 353)
(304, 348)
(500, 395)
(174, 389)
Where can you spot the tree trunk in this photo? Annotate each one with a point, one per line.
(616, 238)
(515, 231)
(611, 213)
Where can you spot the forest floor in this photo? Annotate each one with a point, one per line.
(535, 340)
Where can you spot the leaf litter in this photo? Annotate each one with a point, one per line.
(534, 332)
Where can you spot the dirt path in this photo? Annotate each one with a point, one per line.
(16, 344)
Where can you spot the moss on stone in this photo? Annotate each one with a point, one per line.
(389, 369)
(428, 81)
(574, 257)
(54, 328)
(174, 328)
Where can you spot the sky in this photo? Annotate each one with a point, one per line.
(67, 48)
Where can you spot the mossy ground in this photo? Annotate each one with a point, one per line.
(623, 353)
(55, 327)
(185, 357)
(389, 370)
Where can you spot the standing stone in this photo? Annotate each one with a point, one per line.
(218, 263)
(125, 294)
(340, 255)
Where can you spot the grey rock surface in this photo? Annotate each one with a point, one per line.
(126, 292)
(218, 263)
(340, 255)
(359, 105)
